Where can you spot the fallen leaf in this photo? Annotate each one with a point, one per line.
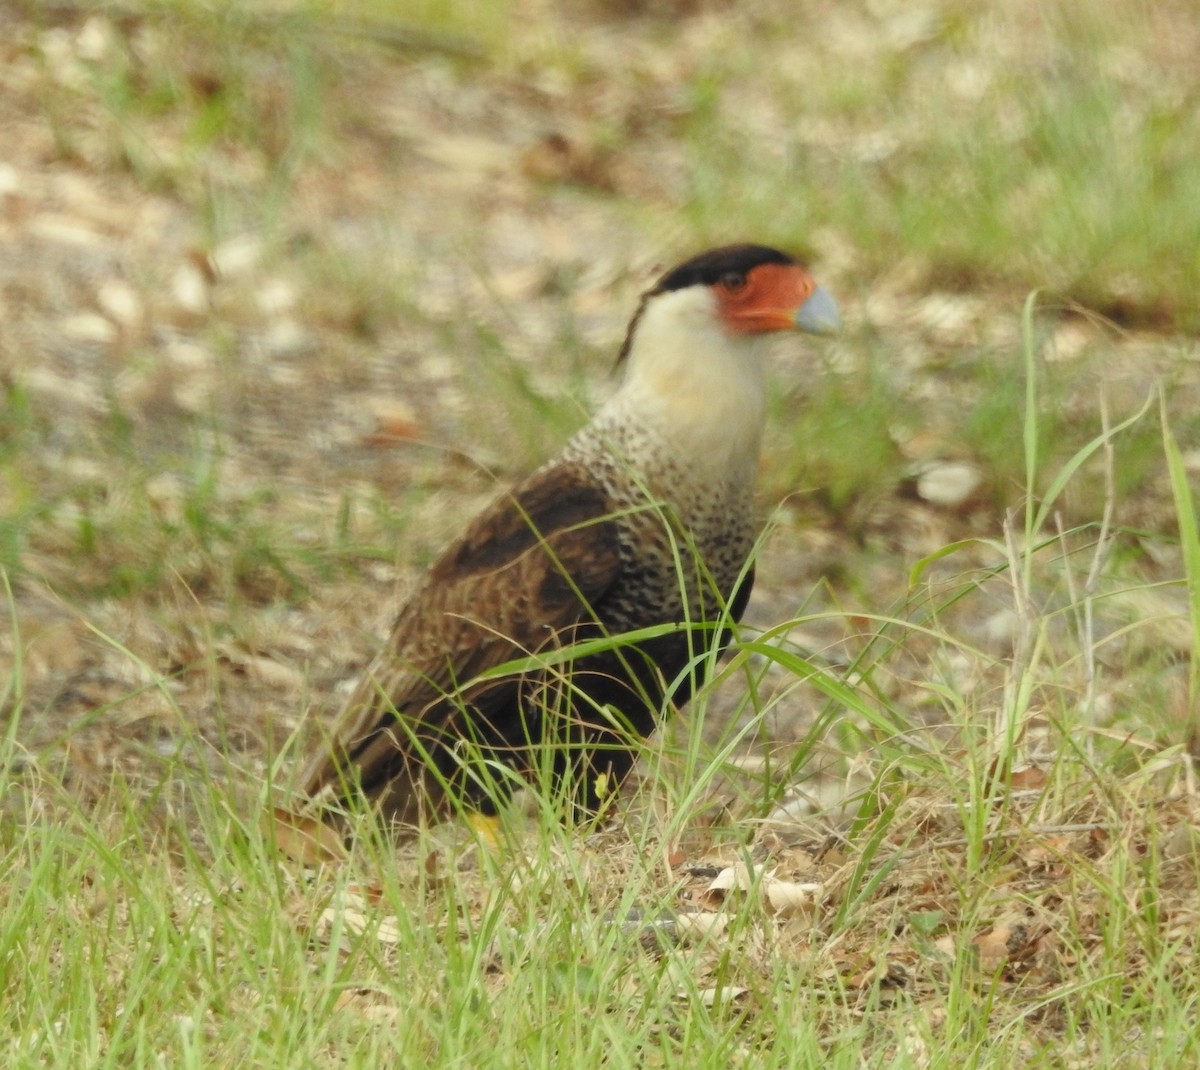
(711, 997)
(395, 421)
(693, 928)
(786, 898)
(861, 972)
(1028, 779)
(736, 877)
(303, 839)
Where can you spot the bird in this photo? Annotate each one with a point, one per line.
(588, 601)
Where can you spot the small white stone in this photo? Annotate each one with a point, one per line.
(84, 470)
(10, 180)
(237, 256)
(286, 338)
(52, 226)
(284, 375)
(1071, 341)
(190, 289)
(89, 327)
(951, 317)
(95, 39)
(948, 483)
(275, 296)
(120, 302)
(166, 491)
(1000, 629)
(75, 390)
(194, 392)
(58, 52)
(185, 353)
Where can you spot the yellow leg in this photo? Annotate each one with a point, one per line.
(487, 828)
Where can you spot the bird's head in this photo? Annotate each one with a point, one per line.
(693, 353)
(740, 291)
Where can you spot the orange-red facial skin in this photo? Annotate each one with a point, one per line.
(767, 301)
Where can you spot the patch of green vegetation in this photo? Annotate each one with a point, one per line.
(1069, 166)
(179, 92)
(956, 912)
(128, 535)
(839, 447)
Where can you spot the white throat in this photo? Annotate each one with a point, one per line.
(701, 390)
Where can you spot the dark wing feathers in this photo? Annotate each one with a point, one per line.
(529, 566)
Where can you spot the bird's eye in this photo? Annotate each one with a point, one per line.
(733, 281)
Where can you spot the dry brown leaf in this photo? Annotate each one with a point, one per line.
(371, 894)
(1047, 854)
(864, 972)
(303, 839)
(558, 158)
(389, 434)
(1011, 940)
(1030, 778)
(992, 946)
(268, 670)
(395, 421)
(50, 645)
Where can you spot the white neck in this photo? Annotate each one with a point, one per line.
(697, 387)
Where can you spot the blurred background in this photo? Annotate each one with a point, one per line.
(285, 289)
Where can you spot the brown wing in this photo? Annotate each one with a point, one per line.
(529, 566)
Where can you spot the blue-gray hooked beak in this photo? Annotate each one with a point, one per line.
(819, 314)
